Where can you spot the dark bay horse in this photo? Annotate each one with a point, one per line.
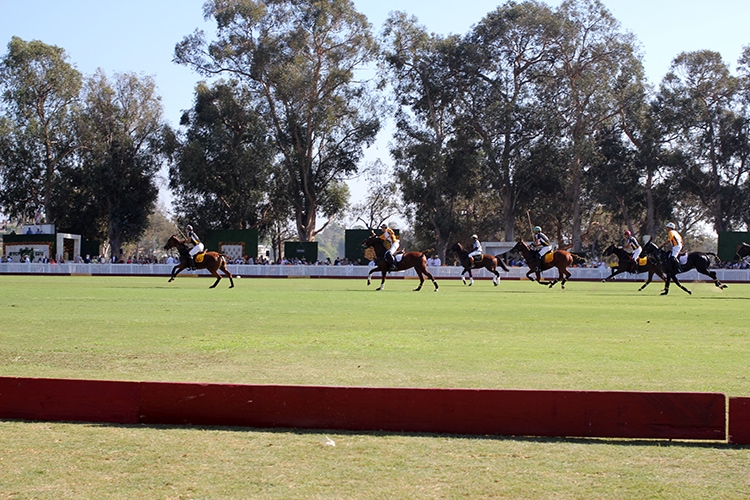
(417, 260)
(694, 260)
(489, 262)
(743, 250)
(626, 264)
(212, 261)
(561, 259)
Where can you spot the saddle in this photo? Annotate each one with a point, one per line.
(549, 257)
(642, 261)
(477, 258)
(199, 257)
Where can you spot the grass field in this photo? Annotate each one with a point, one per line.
(591, 336)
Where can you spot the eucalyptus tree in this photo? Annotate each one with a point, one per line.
(700, 101)
(744, 75)
(594, 60)
(435, 167)
(382, 199)
(222, 168)
(299, 60)
(121, 130)
(40, 91)
(506, 93)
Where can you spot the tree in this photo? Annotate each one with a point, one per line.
(435, 167)
(381, 202)
(700, 101)
(121, 131)
(594, 62)
(40, 92)
(222, 170)
(506, 65)
(298, 59)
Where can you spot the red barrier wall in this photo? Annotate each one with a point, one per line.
(81, 400)
(739, 420)
(455, 411)
(458, 411)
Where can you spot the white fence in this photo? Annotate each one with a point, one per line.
(278, 271)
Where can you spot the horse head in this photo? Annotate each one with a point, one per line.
(650, 248)
(458, 248)
(743, 250)
(376, 243)
(609, 250)
(172, 242)
(521, 246)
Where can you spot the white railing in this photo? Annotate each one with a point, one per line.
(276, 271)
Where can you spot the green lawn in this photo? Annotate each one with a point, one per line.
(591, 336)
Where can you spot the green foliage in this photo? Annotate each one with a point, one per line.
(222, 171)
(120, 128)
(298, 59)
(39, 94)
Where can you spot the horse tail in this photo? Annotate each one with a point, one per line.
(429, 250)
(501, 263)
(577, 259)
(717, 260)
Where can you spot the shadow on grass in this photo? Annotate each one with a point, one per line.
(323, 433)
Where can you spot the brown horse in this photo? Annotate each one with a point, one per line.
(489, 262)
(561, 259)
(743, 250)
(408, 260)
(212, 261)
(626, 264)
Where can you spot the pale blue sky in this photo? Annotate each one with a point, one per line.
(140, 35)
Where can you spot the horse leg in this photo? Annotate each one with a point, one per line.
(227, 274)
(471, 277)
(432, 278)
(648, 280)
(712, 275)
(677, 282)
(382, 282)
(369, 275)
(566, 277)
(215, 275)
(463, 278)
(496, 279)
(421, 280)
(615, 272)
(175, 271)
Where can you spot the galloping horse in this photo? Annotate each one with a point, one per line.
(694, 260)
(212, 261)
(743, 250)
(487, 261)
(625, 264)
(561, 259)
(417, 260)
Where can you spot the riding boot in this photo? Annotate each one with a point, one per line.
(192, 263)
(677, 266)
(389, 259)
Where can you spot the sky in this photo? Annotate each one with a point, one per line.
(140, 35)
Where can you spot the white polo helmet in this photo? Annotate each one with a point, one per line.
(670, 225)
(475, 236)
